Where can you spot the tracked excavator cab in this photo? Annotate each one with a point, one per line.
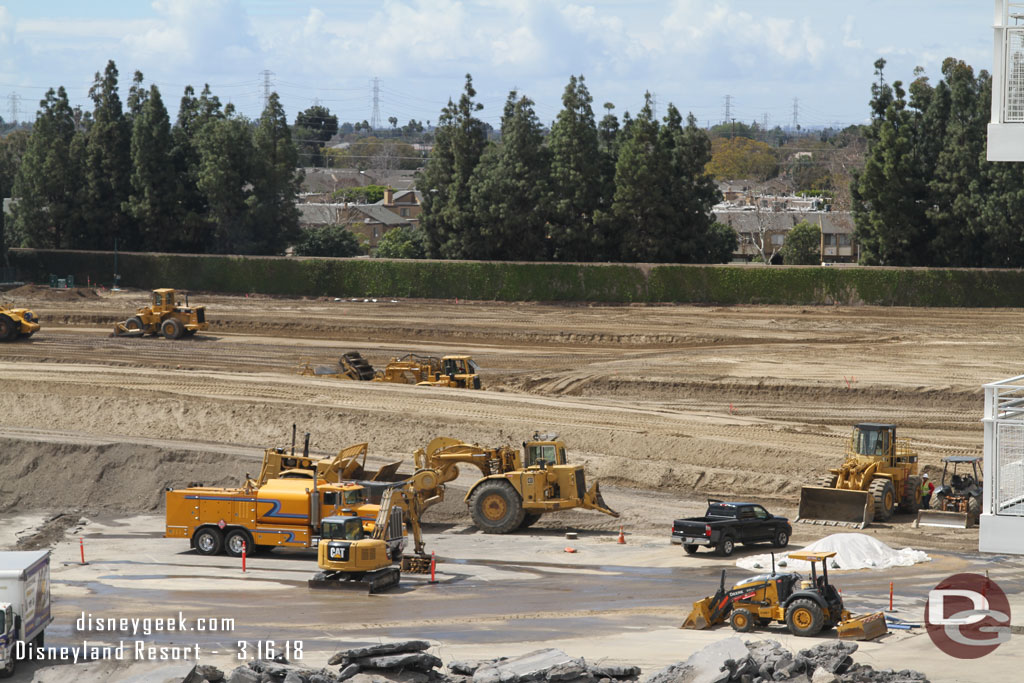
(342, 529)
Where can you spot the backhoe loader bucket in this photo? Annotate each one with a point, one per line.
(864, 627)
(709, 611)
(951, 520)
(592, 500)
(835, 507)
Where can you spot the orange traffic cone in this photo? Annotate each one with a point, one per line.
(622, 536)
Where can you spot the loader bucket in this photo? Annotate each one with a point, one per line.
(864, 627)
(121, 330)
(593, 500)
(952, 520)
(700, 616)
(835, 507)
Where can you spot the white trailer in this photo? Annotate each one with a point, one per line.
(24, 602)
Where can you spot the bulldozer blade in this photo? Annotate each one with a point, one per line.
(951, 520)
(592, 500)
(376, 581)
(864, 627)
(835, 507)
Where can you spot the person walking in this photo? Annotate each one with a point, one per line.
(926, 491)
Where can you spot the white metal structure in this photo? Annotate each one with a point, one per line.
(1006, 129)
(1002, 514)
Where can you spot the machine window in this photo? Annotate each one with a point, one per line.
(355, 496)
(330, 497)
(760, 512)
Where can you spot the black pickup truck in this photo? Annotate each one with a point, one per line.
(726, 524)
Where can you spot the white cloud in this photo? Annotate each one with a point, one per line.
(848, 39)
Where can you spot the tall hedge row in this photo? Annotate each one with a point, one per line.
(500, 281)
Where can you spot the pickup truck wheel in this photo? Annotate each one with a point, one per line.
(207, 541)
(691, 548)
(726, 546)
(781, 539)
(234, 540)
(742, 620)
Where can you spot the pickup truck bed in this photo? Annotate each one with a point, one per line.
(727, 523)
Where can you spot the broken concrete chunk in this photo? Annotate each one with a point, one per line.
(244, 674)
(348, 671)
(833, 657)
(575, 670)
(611, 671)
(823, 676)
(533, 666)
(420, 661)
(673, 673)
(465, 668)
(381, 649)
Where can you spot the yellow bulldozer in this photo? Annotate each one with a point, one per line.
(17, 322)
(351, 558)
(806, 606)
(449, 371)
(164, 316)
(878, 477)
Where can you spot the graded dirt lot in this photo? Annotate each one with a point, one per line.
(665, 405)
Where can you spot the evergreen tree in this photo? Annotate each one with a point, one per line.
(106, 168)
(314, 127)
(225, 159)
(154, 200)
(579, 187)
(46, 214)
(196, 233)
(508, 188)
(12, 150)
(459, 141)
(803, 245)
(275, 217)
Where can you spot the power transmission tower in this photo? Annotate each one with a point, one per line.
(266, 73)
(375, 116)
(764, 122)
(728, 108)
(796, 113)
(654, 104)
(14, 99)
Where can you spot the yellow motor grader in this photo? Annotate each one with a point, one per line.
(17, 322)
(878, 476)
(164, 316)
(805, 606)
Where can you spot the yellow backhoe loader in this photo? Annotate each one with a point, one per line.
(17, 322)
(349, 558)
(878, 476)
(164, 316)
(805, 606)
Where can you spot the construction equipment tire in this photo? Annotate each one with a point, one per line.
(172, 328)
(726, 546)
(827, 481)
(208, 541)
(911, 501)
(781, 539)
(8, 328)
(884, 496)
(133, 323)
(973, 510)
(529, 519)
(234, 540)
(691, 548)
(741, 620)
(496, 507)
(804, 618)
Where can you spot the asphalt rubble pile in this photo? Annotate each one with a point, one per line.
(727, 661)
(735, 661)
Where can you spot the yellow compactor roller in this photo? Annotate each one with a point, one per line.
(878, 477)
(806, 606)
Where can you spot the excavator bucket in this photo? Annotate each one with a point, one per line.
(376, 581)
(951, 520)
(709, 611)
(864, 627)
(835, 507)
(592, 500)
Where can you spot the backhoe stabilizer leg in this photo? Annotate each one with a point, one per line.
(592, 500)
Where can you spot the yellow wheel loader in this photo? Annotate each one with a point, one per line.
(349, 558)
(878, 476)
(164, 316)
(17, 322)
(805, 606)
(956, 503)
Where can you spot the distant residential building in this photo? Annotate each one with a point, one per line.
(837, 243)
(368, 221)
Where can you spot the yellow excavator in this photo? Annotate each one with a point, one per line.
(349, 558)
(878, 477)
(805, 606)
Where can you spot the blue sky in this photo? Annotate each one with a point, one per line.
(689, 52)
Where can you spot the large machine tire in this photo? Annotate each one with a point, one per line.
(234, 540)
(133, 323)
(911, 501)
(496, 507)
(172, 328)
(8, 328)
(827, 481)
(208, 541)
(804, 618)
(691, 548)
(973, 510)
(529, 519)
(741, 620)
(884, 496)
(726, 546)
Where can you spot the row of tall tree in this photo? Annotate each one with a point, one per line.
(212, 182)
(630, 190)
(927, 196)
